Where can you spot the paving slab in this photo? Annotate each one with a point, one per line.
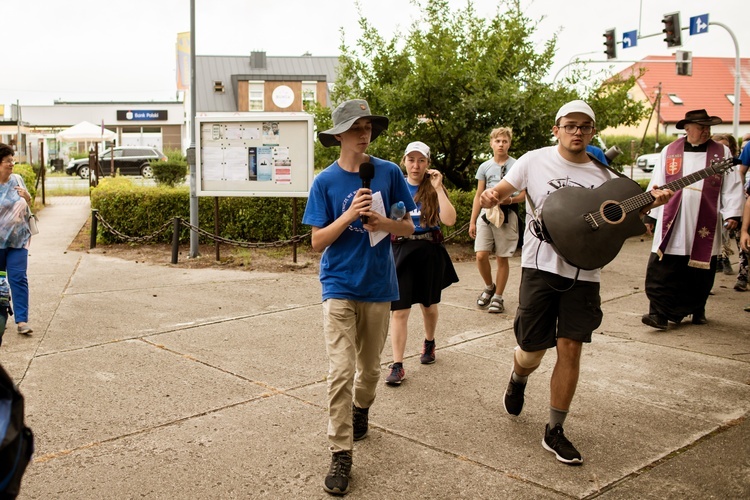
(163, 382)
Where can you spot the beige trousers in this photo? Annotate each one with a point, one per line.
(355, 334)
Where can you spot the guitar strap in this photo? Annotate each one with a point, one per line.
(537, 226)
(598, 163)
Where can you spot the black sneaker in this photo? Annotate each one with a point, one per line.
(337, 480)
(428, 352)
(556, 442)
(397, 374)
(513, 397)
(360, 418)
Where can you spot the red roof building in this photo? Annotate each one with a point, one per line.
(711, 87)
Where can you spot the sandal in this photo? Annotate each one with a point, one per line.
(496, 305)
(484, 298)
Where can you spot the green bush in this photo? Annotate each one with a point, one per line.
(142, 210)
(138, 211)
(627, 143)
(462, 201)
(169, 173)
(175, 155)
(26, 172)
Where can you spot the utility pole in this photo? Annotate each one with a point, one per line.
(658, 116)
(18, 130)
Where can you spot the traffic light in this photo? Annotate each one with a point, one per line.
(684, 60)
(671, 29)
(610, 44)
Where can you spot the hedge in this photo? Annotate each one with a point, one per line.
(140, 211)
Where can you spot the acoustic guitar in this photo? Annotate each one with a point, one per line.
(587, 227)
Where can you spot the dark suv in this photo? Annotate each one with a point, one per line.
(129, 160)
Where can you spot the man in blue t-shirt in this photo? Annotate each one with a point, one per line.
(357, 273)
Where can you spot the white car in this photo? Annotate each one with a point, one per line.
(648, 162)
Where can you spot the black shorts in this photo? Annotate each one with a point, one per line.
(544, 314)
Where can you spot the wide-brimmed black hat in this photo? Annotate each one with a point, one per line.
(344, 117)
(700, 117)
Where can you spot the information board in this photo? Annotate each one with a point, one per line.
(254, 154)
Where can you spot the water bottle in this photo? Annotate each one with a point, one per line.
(4, 291)
(398, 210)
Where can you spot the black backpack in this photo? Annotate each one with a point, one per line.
(17, 440)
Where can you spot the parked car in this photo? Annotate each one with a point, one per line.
(648, 162)
(129, 160)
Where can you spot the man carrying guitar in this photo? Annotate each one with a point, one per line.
(559, 305)
(682, 265)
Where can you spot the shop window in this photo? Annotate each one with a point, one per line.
(255, 96)
(309, 93)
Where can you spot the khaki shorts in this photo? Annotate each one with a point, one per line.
(502, 240)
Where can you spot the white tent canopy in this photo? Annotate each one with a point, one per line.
(86, 132)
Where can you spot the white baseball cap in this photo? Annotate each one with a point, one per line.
(577, 106)
(418, 146)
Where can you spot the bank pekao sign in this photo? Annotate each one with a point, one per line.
(141, 115)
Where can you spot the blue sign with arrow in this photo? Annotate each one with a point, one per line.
(699, 24)
(629, 39)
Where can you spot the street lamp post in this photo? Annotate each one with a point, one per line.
(737, 77)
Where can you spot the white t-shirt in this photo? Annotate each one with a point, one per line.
(540, 172)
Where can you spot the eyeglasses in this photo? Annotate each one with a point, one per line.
(572, 129)
(8, 162)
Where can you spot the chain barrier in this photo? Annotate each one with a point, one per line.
(132, 239)
(462, 229)
(203, 232)
(245, 244)
(220, 239)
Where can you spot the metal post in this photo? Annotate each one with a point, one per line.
(737, 78)
(42, 169)
(194, 220)
(19, 143)
(294, 229)
(175, 239)
(216, 226)
(94, 227)
(658, 117)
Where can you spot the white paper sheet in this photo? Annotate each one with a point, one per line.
(377, 206)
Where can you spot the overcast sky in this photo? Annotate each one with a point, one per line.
(95, 50)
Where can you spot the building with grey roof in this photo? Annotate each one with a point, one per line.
(248, 83)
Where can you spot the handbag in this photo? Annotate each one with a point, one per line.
(32, 220)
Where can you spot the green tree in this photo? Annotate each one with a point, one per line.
(455, 77)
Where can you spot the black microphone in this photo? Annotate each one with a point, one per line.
(366, 173)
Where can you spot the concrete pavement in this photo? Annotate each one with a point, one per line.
(161, 382)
